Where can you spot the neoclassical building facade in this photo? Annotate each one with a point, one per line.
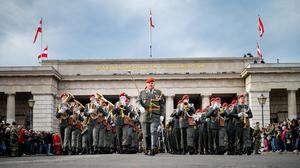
(201, 78)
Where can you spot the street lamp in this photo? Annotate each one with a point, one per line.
(30, 104)
(262, 100)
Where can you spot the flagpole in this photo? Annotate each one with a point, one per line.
(150, 37)
(259, 39)
(41, 39)
(42, 35)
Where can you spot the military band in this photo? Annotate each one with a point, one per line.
(101, 127)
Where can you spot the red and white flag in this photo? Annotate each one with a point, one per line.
(261, 28)
(38, 30)
(151, 21)
(259, 53)
(44, 54)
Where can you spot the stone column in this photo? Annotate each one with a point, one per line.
(256, 107)
(11, 108)
(292, 104)
(44, 112)
(169, 106)
(205, 100)
(133, 100)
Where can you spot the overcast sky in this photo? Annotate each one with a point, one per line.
(92, 29)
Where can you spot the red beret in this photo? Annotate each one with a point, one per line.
(241, 95)
(63, 94)
(122, 94)
(234, 101)
(150, 79)
(224, 105)
(199, 110)
(185, 97)
(217, 99)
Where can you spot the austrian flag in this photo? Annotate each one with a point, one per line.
(261, 28)
(151, 22)
(258, 51)
(38, 30)
(44, 54)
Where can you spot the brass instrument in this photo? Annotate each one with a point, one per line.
(84, 124)
(73, 120)
(79, 105)
(186, 107)
(65, 106)
(121, 108)
(151, 105)
(64, 115)
(92, 110)
(94, 116)
(245, 119)
(221, 119)
(100, 97)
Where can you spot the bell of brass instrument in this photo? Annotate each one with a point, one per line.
(186, 107)
(100, 97)
(69, 98)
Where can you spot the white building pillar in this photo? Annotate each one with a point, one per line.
(133, 101)
(256, 107)
(205, 100)
(292, 104)
(169, 106)
(11, 108)
(44, 112)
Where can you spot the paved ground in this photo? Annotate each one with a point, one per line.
(158, 161)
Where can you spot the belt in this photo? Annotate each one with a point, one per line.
(155, 113)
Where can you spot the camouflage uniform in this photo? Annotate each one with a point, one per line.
(243, 140)
(154, 104)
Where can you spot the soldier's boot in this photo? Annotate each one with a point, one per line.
(72, 151)
(101, 150)
(94, 151)
(183, 152)
(83, 151)
(221, 150)
(191, 150)
(249, 151)
(119, 149)
(146, 151)
(105, 150)
(65, 151)
(152, 152)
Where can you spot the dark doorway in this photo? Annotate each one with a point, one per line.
(225, 98)
(194, 98)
